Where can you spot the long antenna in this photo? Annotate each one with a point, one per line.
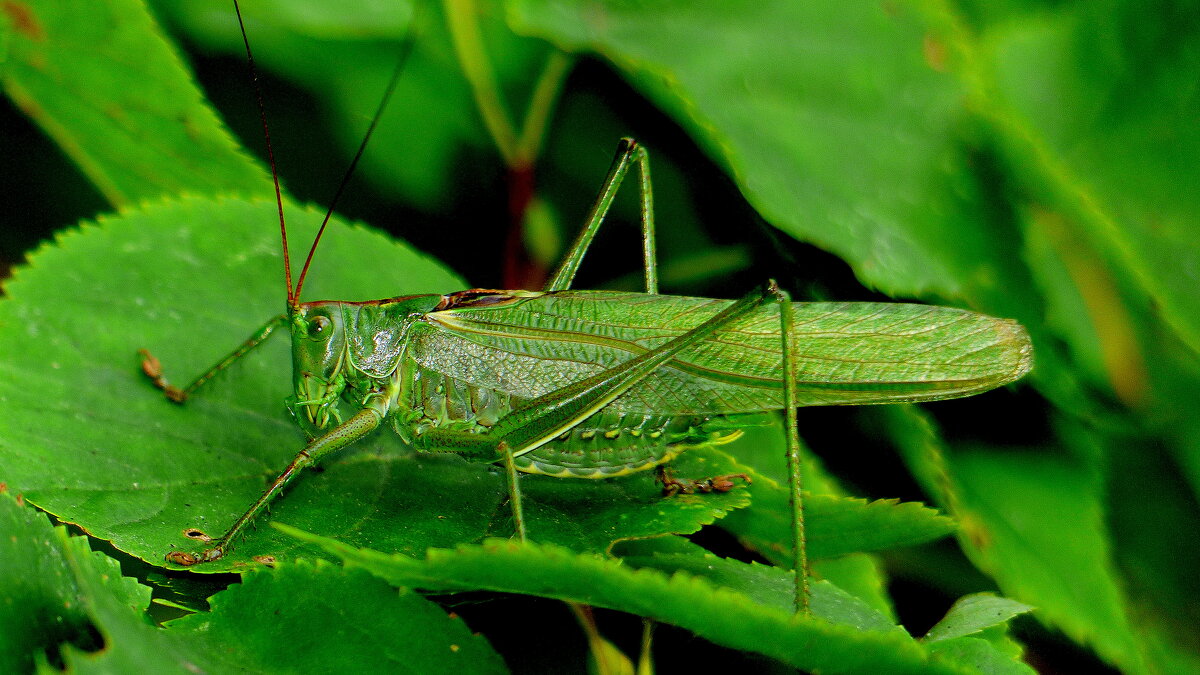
(262, 114)
(405, 51)
(293, 296)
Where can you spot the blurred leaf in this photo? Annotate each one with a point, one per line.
(1154, 522)
(973, 613)
(100, 78)
(1102, 100)
(981, 655)
(1033, 523)
(800, 101)
(420, 141)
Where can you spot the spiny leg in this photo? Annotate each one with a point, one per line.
(628, 151)
(153, 368)
(547, 416)
(787, 325)
(361, 424)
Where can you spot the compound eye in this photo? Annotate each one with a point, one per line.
(319, 327)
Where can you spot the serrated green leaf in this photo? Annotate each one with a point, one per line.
(763, 584)
(40, 607)
(714, 613)
(100, 78)
(835, 525)
(973, 613)
(190, 280)
(769, 586)
(114, 606)
(333, 619)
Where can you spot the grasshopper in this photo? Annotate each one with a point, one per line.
(598, 384)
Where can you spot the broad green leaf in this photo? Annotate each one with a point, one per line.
(349, 19)
(90, 440)
(195, 283)
(859, 573)
(298, 618)
(973, 613)
(714, 613)
(834, 119)
(99, 78)
(1155, 530)
(333, 620)
(848, 126)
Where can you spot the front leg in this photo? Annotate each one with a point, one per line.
(362, 423)
(153, 368)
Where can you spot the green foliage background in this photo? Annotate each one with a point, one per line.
(1028, 160)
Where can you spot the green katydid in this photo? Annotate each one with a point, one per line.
(595, 384)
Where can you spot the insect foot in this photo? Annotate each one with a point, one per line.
(187, 559)
(674, 486)
(208, 555)
(181, 558)
(722, 483)
(152, 367)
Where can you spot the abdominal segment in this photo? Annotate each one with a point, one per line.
(606, 444)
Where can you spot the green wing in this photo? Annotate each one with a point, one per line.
(848, 352)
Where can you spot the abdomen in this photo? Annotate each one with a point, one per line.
(606, 444)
